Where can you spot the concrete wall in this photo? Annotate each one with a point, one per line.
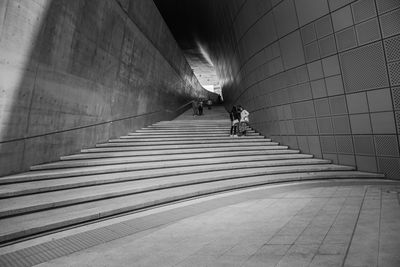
(75, 73)
(319, 75)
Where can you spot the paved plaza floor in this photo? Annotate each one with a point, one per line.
(330, 223)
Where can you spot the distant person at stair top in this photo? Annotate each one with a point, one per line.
(209, 103)
(195, 108)
(200, 107)
(235, 118)
(244, 121)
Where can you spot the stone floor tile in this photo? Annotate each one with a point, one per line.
(332, 249)
(327, 261)
(299, 255)
(251, 235)
(310, 239)
(265, 261)
(389, 258)
(282, 240)
(244, 249)
(197, 260)
(230, 260)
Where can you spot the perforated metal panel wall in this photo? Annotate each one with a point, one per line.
(346, 39)
(392, 48)
(363, 9)
(386, 145)
(394, 73)
(328, 79)
(364, 68)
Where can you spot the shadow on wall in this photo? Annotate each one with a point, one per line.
(75, 73)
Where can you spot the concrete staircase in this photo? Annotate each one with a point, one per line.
(167, 161)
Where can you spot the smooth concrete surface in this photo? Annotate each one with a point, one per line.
(336, 223)
(76, 73)
(321, 76)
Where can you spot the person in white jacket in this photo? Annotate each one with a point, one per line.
(244, 120)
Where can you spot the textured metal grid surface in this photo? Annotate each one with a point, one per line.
(364, 68)
(328, 144)
(368, 31)
(348, 160)
(314, 145)
(390, 23)
(308, 33)
(301, 92)
(338, 105)
(366, 163)
(346, 39)
(380, 100)
(292, 50)
(311, 126)
(392, 48)
(315, 70)
(322, 107)
(357, 103)
(396, 97)
(292, 142)
(323, 26)
(327, 46)
(387, 5)
(309, 10)
(383, 123)
(331, 156)
(335, 4)
(334, 85)
(325, 125)
(302, 74)
(311, 52)
(364, 145)
(344, 144)
(303, 109)
(397, 117)
(389, 166)
(303, 144)
(363, 10)
(285, 17)
(318, 88)
(386, 145)
(394, 73)
(341, 125)
(331, 66)
(342, 18)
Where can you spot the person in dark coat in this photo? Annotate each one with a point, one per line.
(200, 106)
(235, 118)
(195, 108)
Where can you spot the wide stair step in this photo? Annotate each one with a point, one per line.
(163, 150)
(23, 225)
(124, 154)
(174, 167)
(164, 162)
(191, 138)
(184, 146)
(167, 160)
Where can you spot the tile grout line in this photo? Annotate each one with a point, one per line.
(380, 224)
(291, 245)
(355, 227)
(333, 221)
